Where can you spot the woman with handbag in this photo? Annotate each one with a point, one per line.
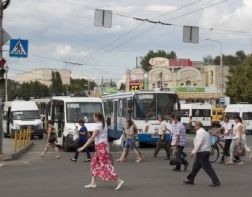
(51, 140)
(237, 144)
(101, 164)
(130, 143)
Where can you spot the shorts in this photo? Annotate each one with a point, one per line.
(130, 143)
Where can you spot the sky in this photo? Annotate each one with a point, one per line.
(63, 30)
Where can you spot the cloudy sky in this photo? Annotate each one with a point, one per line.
(63, 30)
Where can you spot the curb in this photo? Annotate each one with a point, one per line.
(19, 153)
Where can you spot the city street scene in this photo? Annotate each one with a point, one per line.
(125, 98)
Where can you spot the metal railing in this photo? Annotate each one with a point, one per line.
(21, 139)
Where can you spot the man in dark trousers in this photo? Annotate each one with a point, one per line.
(201, 152)
(83, 137)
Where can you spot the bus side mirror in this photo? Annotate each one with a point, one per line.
(108, 121)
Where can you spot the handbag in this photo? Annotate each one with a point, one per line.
(239, 151)
(175, 157)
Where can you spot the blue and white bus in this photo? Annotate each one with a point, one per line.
(143, 107)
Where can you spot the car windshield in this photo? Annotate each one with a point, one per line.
(201, 113)
(26, 115)
(232, 115)
(85, 111)
(145, 107)
(247, 116)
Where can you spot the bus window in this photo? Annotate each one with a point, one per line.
(232, 115)
(201, 113)
(184, 113)
(247, 116)
(85, 111)
(145, 107)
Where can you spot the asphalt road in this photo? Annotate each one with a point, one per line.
(36, 177)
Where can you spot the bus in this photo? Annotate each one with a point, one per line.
(242, 110)
(143, 107)
(217, 114)
(192, 112)
(66, 111)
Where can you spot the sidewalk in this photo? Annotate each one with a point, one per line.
(8, 151)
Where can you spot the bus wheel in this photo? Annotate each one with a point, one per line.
(65, 146)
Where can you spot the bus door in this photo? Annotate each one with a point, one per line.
(58, 117)
(115, 118)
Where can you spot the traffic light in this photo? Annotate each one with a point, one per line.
(2, 70)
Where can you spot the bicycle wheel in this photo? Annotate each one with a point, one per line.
(214, 154)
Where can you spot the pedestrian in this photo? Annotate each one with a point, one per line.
(101, 163)
(170, 123)
(83, 137)
(227, 126)
(130, 143)
(239, 137)
(51, 140)
(201, 152)
(162, 143)
(179, 142)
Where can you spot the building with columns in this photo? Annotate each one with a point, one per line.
(193, 81)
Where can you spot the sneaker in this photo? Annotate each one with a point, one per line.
(87, 160)
(57, 157)
(73, 159)
(188, 182)
(241, 163)
(120, 183)
(215, 185)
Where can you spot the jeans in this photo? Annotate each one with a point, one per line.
(226, 149)
(232, 149)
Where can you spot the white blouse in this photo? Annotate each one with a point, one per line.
(102, 133)
(236, 131)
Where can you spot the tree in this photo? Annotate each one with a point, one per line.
(78, 86)
(208, 60)
(57, 87)
(239, 86)
(151, 54)
(122, 86)
(231, 60)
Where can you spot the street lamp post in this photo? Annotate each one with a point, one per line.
(221, 63)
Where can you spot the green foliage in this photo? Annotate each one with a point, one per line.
(229, 60)
(78, 86)
(239, 86)
(57, 88)
(151, 54)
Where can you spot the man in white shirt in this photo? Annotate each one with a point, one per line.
(201, 151)
(162, 130)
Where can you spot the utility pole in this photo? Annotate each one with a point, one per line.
(6, 84)
(1, 56)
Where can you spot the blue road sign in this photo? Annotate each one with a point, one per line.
(18, 48)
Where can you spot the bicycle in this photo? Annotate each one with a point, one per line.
(216, 146)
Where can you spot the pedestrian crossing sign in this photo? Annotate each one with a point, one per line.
(18, 48)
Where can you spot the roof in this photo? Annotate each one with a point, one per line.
(196, 105)
(22, 105)
(76, 99)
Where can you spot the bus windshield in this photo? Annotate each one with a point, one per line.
(25, 115)
(201, 113)
(145, 107)
(149, 105)
(85, 111)
(166, 104)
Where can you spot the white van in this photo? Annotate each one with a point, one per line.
(192, 112)
(242, 110)
(21, 115)
(66, 111)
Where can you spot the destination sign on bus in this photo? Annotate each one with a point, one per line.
(145, 96)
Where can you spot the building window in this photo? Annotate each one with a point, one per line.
(182, 84)
(195, 84)
(188, 83)
(153, 85)
(212, 74)
(166, 85)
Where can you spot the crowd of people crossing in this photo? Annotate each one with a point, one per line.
(102, 165)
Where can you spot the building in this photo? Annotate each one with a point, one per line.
(44, 76)
(193, 81)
